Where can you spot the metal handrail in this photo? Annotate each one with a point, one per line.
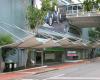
(81, 13)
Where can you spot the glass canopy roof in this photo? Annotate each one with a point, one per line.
(17, 33)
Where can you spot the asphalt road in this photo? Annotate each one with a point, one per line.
(90, 71)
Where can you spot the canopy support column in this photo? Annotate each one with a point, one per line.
(42, 58)
(77, 10)
(72, 9)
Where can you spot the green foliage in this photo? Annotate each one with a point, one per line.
(94, 34)
(98, 1)
(48, 5)
(54, 3)
(88, 5)
(5, 39)
(35, 16)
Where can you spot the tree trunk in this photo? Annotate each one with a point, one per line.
(29, 62)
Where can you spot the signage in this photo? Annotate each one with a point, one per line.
(71, 53)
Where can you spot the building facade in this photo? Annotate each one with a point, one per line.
(13, 12)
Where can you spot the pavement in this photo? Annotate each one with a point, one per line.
(89, 70)
(34, 71)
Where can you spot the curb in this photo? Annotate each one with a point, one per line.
(24, 70)
(35, 74)
(45, 71)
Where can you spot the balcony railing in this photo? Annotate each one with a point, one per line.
(81, 13)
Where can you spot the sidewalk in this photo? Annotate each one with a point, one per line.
(33, 71)
(66, 65)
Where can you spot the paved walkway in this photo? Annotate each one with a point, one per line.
(33, 71)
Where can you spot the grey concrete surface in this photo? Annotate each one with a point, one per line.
(85, 71)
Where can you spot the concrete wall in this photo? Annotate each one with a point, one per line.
(85, 34)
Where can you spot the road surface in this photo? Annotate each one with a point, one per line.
(85, 71)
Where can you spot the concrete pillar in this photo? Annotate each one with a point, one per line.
(42, 58)
(85, 34)
(67, 9)
(77, 10)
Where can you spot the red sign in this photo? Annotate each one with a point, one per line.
(71, 54)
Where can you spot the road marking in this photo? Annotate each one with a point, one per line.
(54, 77)
(28, 72)
(76, 78)
(29, 79)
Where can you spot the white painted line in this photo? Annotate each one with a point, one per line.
(54, 77)
(32, 68)
(76, 78)
(28, 72)
(29, 79)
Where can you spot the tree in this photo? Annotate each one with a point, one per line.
(4, 40)
(48, 5)
(36, 18)
(88, 5)
(94, 35)
(98, 4)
